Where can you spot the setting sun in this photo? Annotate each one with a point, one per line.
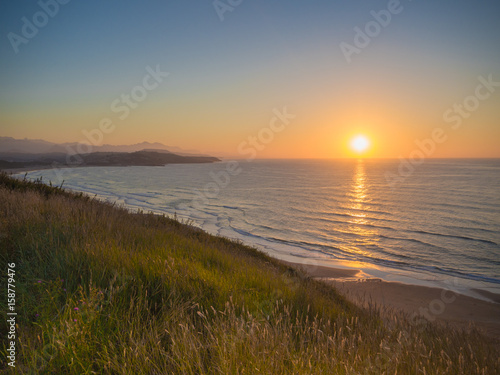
(360, 144)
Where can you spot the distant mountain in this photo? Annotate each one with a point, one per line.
(23, 153)
(9, 145)
(29, 157)
(142, 158)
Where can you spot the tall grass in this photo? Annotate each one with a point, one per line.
(103, 290)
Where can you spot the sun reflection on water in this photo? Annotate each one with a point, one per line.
(358, 191)
(358, 206)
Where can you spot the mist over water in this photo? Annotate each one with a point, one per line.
(442, 220)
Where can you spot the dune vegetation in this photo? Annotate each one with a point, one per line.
(102, 290)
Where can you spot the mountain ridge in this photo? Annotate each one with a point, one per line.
(12, 145)
(12, 156)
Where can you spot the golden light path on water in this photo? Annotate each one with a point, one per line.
(358, 205)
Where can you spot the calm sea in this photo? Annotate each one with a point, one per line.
(442, 221)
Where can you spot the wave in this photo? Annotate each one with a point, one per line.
(390, 263)
(455, 236)
(303, 208)
(416, 241)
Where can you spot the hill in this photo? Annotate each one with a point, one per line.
(99, 289)
(142, 158)
(9, 145)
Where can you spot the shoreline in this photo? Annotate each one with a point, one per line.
(12, 171)
(169, 292)
(417, 302)
(368, 284)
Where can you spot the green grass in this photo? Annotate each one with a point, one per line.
(101, 290)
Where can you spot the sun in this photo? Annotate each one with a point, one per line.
(360, 144)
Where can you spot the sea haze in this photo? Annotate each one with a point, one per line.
(442, 222)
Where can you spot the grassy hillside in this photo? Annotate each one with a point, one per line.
(102, 290)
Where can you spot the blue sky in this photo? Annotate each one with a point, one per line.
(227, 76)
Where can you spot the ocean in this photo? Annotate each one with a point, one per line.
(439, 225)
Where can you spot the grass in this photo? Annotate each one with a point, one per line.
(100, 290)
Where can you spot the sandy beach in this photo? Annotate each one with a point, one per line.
(415, 301)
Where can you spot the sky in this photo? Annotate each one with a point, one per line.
(271, 78)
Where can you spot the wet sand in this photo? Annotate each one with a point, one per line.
(415, 301)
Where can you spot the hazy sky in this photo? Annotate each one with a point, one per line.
(231, 69)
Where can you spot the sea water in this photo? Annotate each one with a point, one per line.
(438, 225)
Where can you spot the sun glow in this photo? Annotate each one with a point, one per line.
(360, 144)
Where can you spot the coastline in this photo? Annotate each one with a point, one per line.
(372, 286)
(13, 171)
(186, 295)
(415, 301)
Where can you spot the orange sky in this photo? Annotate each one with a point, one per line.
(226, 79)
